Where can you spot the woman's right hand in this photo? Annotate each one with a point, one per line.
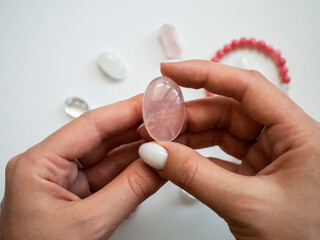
(275, 192)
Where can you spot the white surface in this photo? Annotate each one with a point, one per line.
(48, 52)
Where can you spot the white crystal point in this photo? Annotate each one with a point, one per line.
(245, 63)
(112, 66)
(75, 106)
(170, 41)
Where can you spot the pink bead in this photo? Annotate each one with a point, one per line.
(286, 79)
(281, 61)
(283, 70)
(235, 43)
(261, 44)
(243, 42)
(252, 42)
(215, 59)
(227, 48)
(220, 54)
(163, 109)
(276, 54)
(268, 49)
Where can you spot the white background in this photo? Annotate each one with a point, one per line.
(48, 52)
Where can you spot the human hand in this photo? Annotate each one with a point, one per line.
(48, 197)
(275, 192)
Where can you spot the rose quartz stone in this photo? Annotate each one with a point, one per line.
(163, 109)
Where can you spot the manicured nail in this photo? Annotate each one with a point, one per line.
(171, 61)
(154, 155)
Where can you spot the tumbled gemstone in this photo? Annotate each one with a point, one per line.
(74, 107)
(170, 41)
(163, 109)
(112, 66)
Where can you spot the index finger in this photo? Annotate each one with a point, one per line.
(82, 135)
(263, 101)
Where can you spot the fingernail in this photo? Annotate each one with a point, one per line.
(142, 125)
(154, 155)
(171, 61)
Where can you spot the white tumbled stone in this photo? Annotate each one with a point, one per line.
(112, 66)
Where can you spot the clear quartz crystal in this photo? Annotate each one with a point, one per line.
(74, 107)
(163, 109)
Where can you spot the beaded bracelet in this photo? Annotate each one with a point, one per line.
(259, 45)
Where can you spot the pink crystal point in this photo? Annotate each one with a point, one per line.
(163, 109)
(170, 41)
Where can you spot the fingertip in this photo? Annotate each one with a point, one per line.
(168, 67)
(142, 131)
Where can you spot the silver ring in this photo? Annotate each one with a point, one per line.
(79, 164)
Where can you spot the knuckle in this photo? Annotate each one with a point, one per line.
(256, 74)
(257, 77)
(189, 169)
(11, 165)
(139, 185)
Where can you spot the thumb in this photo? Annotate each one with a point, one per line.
(115, 201)
(215, 186)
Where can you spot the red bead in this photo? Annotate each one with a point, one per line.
(283, 70)
(235, 43)
(281, 61)
(276, 54)
(286, 79)
(252, 42)
(268, 49)
(243, 42)
(215, 59)
(227, 48)
(209, 94)
(261, 44)
(220, 54)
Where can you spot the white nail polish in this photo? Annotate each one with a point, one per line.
(154, 155)
(171, 61)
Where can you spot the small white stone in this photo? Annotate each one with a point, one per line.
(112, 66)
(170, 41)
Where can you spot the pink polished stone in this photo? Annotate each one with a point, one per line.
(163, 109)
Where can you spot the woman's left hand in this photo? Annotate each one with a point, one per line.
(48, 197)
